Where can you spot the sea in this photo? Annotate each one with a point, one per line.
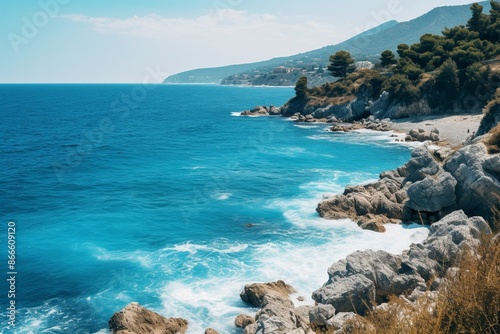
(165, 196)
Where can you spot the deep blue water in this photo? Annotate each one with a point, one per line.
(127, 193)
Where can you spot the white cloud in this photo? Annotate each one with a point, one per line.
(251, 36)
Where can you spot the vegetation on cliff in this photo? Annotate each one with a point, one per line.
(449, 72)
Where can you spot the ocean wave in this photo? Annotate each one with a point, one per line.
(216, 247)
(221, 196)
(308, 126)
(140, 257)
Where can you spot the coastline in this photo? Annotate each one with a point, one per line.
(278, 308)
(366, 277)
(455, 129)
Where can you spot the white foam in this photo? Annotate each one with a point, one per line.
(214, 248)
(365, 136)
(236, 114)
(221, 196)
(307, 126)
(141, 257)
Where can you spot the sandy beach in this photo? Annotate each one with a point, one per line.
(456, 129)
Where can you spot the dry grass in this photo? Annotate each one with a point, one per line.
(493, 140)
(323, 102)
(468, 303)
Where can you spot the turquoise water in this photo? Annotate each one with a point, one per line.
(126, 193)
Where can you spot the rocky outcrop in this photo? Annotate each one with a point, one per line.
(384, 201)
(367, 278)
(135, 319)
(382, 108)
(262, 111)
(478, 181)
(363, 278)
(211, 331)
(349, 108)
(423, 191)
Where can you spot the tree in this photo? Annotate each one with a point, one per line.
(446, 84)
(387, 58)
(301, 87)
(493, 28)
(341, 64)
(478, 21)
(402, 48)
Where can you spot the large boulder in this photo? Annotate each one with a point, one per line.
(478, 184)
(321, 315)
(354, 293)
(434, 193)
(278, 314)
(135, 319)
(254, 294)
(420, 165)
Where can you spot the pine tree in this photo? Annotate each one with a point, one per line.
(387, 58)
(341, 64)
(301, 87)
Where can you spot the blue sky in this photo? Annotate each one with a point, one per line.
(124, 40)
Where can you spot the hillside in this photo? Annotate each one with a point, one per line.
(365, 46)
(216, 74)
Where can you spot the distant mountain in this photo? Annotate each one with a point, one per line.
(365, 46)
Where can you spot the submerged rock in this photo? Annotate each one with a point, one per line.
(139, 320)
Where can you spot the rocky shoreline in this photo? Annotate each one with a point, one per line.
(455, 191)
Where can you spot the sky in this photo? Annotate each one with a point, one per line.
(126, 41)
